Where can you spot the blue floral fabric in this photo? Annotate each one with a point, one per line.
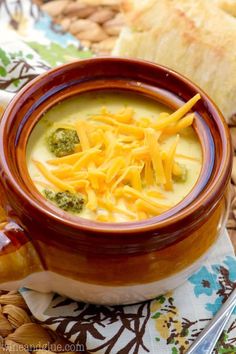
(218, 280)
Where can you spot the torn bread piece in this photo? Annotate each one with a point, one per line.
(194, 37)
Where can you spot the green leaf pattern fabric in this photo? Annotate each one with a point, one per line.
(31, 44)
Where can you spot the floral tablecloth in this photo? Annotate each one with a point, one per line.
(29, 45)
(168, 324)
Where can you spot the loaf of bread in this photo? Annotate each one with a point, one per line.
(197, 38)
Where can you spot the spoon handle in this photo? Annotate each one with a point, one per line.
(208, 338)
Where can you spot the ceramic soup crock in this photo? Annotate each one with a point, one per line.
(46, 249)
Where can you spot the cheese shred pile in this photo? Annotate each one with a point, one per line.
(119, 163)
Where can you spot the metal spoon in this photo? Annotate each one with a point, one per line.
(206, 341)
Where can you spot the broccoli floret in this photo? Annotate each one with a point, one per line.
(49, 194)
(182, 174)
(62, 141)
(65, 200)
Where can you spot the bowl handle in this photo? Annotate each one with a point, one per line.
(18, 257)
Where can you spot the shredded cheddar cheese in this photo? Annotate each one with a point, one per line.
(155, 155)
(169, 164)
(81, 131)
(163, 122)
(121, 165)
(51, 178)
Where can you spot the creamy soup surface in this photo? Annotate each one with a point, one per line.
(120, 174)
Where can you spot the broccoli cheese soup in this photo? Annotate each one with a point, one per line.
(114, 157)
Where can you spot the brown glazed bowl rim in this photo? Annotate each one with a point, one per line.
(198, 208)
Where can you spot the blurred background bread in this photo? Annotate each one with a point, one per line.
(194, 37)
